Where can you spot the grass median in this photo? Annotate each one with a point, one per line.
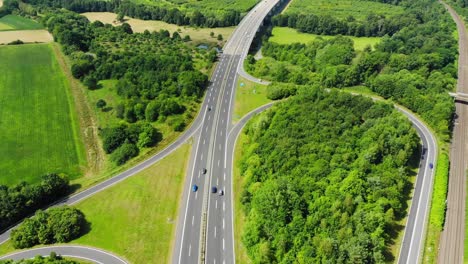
(249, 96)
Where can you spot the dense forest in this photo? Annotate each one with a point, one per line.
(193, 17)
(19, 201)
(155, 73)
(324, 179)
(52, 259)
(416, 66)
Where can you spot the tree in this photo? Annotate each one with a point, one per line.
(220, 37)
(120, 17)
(124, 153)
(101, 103)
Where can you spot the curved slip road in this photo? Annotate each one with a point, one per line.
(93, 255)
(451, 247)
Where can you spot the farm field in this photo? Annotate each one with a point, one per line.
(196, 34)
(342, 9)
(286, 35)
(239, 5)
(38, 122)
(14, 22)
(142, 210)
(27, 36)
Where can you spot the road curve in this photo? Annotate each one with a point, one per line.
(90, 254)
(451, 247)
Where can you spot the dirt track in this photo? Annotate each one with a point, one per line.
(28, 36)
(452, 239)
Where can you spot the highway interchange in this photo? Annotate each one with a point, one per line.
(205, 222)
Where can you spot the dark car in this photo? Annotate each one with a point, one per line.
(431, 165)
(214, 189)
(209, 108)
(194, 188)
(204, 171)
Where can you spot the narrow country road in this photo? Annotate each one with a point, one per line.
(452, 238)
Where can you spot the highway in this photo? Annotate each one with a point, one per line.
(452, 238)
(205, 227)
(88, 254)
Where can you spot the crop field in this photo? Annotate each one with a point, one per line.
(13, 22)
(285, 35)
(239, 5)
(37, 117)
(142, 211)
(342, 9)
(196, 34)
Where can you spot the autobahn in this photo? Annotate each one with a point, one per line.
(452, 239)
(205, 228)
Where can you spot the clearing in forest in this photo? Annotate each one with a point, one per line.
(14, 22)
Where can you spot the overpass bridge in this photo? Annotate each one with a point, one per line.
(459, 97)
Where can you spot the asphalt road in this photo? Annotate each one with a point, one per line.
(205, 229)
(414, 238)
(90, 254)
(452, 238)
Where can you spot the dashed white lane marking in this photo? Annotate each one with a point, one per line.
(221, 133)
(217, 182)
(218, 163)
(215, 232)
(223, 223)
(201, 158)
(224, 206)
(223, 243)
(209, 117)
(224, 110)
(193, 220)
(190, 250)
(219, 146)
(203, 142)
(224, 176)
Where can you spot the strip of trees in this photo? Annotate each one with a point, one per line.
(52, 259)
(56, 225)
(192, 17)
(324, 179)
(19, 201)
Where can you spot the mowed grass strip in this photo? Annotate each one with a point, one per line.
(286, 35)
(137, 218)
(14, 22)
(37, 122)
(249, 96)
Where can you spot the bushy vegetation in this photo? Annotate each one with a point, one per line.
(193, 15)
(52, 259)
(415, 66)
(19, 201)
(325, 177)
(56, 225)
(155, 73)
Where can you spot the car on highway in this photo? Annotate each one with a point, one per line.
(204, 170)
(221, 193)
(209, 108)
(431, 165)
(214, 189)
(194, 188)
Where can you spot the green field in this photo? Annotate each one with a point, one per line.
(285, 35)
(137, 218)
(14, 22)
(37, 116)
(342, 9)
(248, 97)
(239, 5)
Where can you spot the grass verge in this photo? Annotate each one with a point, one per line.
(239, 216)
(249, 95)
(37, 117)
(437, 212)
(137, 218)
(285, 35)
